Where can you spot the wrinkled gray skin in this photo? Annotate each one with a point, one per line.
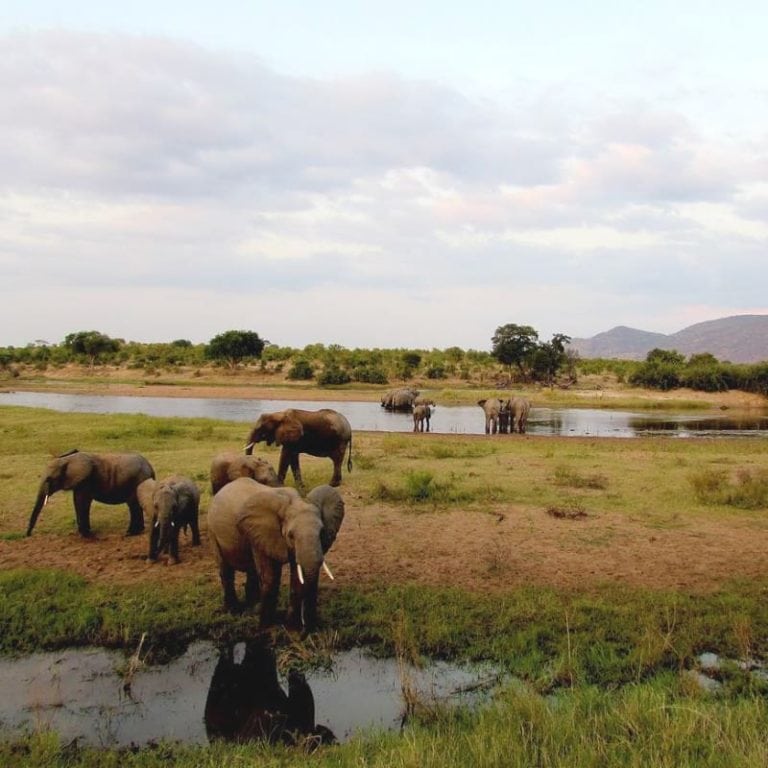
(171, 504)
(491, 408)
(421, 416)
(400, 399)
(319, 433)
(111, 478)
(505, 417)
(424, 400)
(228, 466)
(256, 530)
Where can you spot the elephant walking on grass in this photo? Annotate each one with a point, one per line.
(319, 433)
(110, 478)
(172, 504)
(421, 416)
(228, 466)
(256, 530)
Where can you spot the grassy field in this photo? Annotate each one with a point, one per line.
(595, 571)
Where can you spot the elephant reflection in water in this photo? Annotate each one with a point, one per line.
(246, 701)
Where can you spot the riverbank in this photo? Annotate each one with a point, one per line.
(590, 392)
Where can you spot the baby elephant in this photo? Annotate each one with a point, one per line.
(228, 466)
(421, 415)
(172, 504)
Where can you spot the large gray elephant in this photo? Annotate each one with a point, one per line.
(319, 433)
(256, 530)
(228, 466)
(518, 408)
(421, 416)
(400, 399)
(491, 408)
(111, 478)
(172, 505)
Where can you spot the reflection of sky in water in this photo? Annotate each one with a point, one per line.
(79, 694)
(464, 419)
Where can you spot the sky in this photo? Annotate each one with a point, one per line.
(400, 174)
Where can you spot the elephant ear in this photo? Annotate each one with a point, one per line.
(328, 500)
(261, 521)
(144, 494)
(290, 429)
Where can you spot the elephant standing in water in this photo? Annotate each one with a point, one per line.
(319, 433)
(519, 408)
(421, 415)
(111, 478)
(257, 530)
(491, 408)
(172, 505)
(228, 466)
(401, 399)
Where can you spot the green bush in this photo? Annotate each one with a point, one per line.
(301, 370)
(748, 490)
(333, 375)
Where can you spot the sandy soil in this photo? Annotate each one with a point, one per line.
(505, 548)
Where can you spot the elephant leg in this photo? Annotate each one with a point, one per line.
(154, 541)
(195, 526)
(337, 457)
(82, 501)
(269, 578)
(427, 425)
(285, 461)
(296, 470)
(487, 426)
(227, 575)
(136, 524)
(251, 588)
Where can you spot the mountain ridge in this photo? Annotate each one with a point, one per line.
(736, 338)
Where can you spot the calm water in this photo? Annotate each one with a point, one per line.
(233, 693)
(461, 419)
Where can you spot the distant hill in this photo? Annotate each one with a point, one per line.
(739, 339)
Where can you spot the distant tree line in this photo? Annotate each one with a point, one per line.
(516, 349)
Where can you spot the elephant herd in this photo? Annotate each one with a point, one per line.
(408, 400)
(255, 525)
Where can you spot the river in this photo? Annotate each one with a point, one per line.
(370, 416)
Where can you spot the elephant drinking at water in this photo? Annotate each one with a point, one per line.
(319, 433)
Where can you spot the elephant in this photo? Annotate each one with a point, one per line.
(172, 504)
(111, 478)
(505, 417)
(229, 465)
(400, 399)
(318, 433)
(519, 408)
(257, 530)
(421, 415)
(491, 407)
(424, 400)
(246, 701)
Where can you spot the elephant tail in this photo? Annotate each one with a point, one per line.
(349, 460)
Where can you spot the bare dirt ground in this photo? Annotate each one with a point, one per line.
(508, 547)
(503, 549)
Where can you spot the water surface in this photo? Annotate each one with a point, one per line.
(370, 416)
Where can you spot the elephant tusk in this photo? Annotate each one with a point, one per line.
(327, 570)
(45, 500)
(300, 573)
(249, 446)
(157, 523)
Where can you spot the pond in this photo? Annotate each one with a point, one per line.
(370, 416)
(234, 693)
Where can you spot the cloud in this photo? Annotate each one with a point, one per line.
(150, 185)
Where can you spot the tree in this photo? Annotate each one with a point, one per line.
(92, 344)
(235, 346)
(550, 357)
(514, 344)
(411, 361)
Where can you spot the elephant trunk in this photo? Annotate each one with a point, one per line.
(309, 559)
(40, 502)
